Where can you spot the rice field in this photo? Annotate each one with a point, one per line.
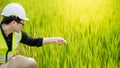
(91, 27)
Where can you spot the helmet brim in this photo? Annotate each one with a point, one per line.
(26, 19)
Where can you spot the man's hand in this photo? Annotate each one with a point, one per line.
(57, 40)
(60, 41)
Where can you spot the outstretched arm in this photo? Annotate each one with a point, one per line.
(40, 41)
(57, 40)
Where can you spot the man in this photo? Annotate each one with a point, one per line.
(11, 34)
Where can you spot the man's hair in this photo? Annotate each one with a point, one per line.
(7, 20)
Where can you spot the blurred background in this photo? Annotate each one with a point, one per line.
(91, 27)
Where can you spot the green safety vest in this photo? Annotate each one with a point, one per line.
(3, 46)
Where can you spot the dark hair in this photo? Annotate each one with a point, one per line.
(7, 20)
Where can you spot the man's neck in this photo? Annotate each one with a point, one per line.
(7, 29)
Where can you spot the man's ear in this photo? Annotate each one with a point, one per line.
(13, 22)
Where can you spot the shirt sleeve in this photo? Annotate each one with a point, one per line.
(31, 41)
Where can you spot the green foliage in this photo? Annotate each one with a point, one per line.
(91, 27)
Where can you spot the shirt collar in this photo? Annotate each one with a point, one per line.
(3, 31)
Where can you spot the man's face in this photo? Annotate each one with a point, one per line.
(18, 26)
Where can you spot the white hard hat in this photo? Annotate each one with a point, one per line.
(14, 9)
